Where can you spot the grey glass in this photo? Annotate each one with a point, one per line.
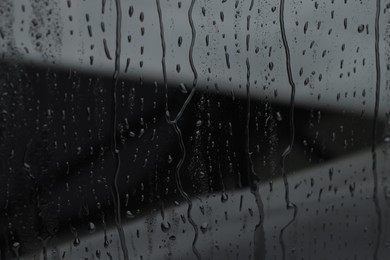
(166, 129)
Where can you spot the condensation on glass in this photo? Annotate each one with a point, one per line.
(166, 129)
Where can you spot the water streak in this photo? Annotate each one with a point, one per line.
(163, 47)
(288, 150)
(374, 132)
(106, 50)
(114, 146)
(174, 122)
(191, 52)
(183, 193)
(252, 177)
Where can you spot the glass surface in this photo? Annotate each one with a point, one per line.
(166, 129)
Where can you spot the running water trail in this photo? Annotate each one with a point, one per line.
(252, 177)
(174, 122)
(115, 151)
(191, 51)
(288, 150)
(163, 57)
(183, 193)
(374, 131)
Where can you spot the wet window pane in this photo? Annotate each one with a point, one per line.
(166, 129)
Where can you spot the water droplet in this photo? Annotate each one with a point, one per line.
(271, 65)
(76, 242)
(91, 227)
(224, 197)
(204, 227)
(106, 242)
(278, 116)
(361, 28)
(16, 245)
(15, 249)
(179, 41)
(183, 218)
(165, 226)
(331, 171)
(183, 88)
(131, 10)
(129, 214)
